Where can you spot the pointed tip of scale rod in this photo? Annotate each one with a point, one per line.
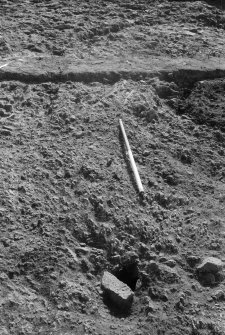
(143, 198)
(142, 194)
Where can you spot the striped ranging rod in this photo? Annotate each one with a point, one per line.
(131, 158)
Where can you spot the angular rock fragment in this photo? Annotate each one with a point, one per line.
(171, 263)
(219, 295)
(5, 132)
(119, 293)
(168, 275)
(208, 271)
(149, 305)
(193, 260)
(210, 264)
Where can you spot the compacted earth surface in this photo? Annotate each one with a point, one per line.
(69, 205)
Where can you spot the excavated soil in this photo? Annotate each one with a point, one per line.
(69, 204)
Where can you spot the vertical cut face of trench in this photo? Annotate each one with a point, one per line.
(129, 275)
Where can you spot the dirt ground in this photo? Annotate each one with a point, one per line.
(69, 205)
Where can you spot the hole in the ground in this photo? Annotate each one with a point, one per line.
(128, 274)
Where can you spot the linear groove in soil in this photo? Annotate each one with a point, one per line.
(185, 74)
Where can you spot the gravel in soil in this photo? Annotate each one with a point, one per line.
(69, 206)
(205, 103)
(105, 29)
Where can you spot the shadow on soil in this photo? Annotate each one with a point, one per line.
(115, 310)
(128, 274)
(216, 3)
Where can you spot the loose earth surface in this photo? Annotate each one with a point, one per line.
(69, 205)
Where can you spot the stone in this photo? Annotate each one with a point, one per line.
(8, 108)
(4, 331)
(79, 134)
(2, 112)
(158, 293)
(171, 263)
(5, 132)
(153, 267)
(146, 153)
(219, 295)
(168, 275)
(162, 259)
(119, 293)
(210, 264)
(3, 277)
(149, 306)
(67, 174)
(192, 260)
